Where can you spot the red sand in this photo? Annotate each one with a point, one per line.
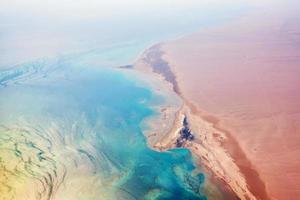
(247, 75)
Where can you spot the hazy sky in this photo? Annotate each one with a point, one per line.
(34, 28)
(98, 8)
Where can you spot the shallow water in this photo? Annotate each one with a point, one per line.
(94, 117)
(71, 126)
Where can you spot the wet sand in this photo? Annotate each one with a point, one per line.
(240, 86)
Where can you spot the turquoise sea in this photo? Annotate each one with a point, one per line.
(72, 123)
(94, 116)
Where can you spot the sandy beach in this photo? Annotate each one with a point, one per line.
(240, 85)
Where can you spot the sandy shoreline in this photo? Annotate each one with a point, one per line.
(209, 144)
(239, 83)
(240, 88)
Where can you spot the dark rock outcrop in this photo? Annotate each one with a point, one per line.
(185, 134)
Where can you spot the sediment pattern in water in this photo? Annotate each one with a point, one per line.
(70, 131)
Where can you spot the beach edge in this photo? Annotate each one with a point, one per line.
(211, 145)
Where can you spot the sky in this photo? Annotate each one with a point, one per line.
(98, 8)
(30, 29)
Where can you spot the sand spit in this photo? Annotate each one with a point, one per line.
(209, 144)
(240, 85)
(245, 74)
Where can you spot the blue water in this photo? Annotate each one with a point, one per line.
(70, 113)
(108, 108)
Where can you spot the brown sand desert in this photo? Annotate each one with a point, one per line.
(240, 82)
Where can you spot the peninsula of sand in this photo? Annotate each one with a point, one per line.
(240, 85)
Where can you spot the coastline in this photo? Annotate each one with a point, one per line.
(240, 89)
(213, 146)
